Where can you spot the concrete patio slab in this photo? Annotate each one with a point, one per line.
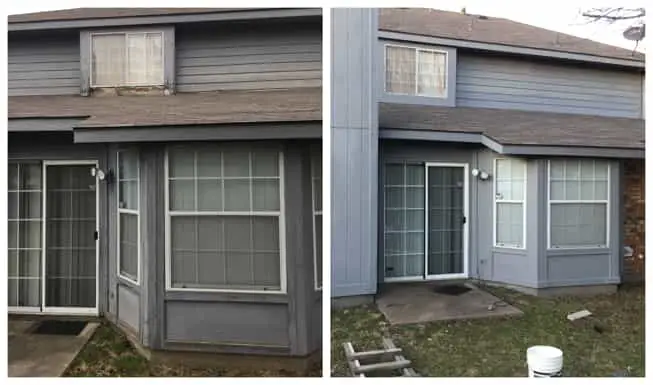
(409, 303)
(41, 355)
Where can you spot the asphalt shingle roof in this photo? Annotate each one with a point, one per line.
(513, 127)
(109, 13)
(494, 30)
(293, 105)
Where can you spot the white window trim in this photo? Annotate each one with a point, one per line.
(129, 211)
(548, 213)
(282, 234)
(417, 50)
(125, 33)
(317, 285)
(496, 202)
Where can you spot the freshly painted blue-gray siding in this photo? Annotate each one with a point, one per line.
(248, 56)
(532, 267)
(354, 149)
(43, 65)
(573, 267)
(508, 83)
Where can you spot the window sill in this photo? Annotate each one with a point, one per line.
(509, 250)
(578, 251)
(128, 282)
(216, 296)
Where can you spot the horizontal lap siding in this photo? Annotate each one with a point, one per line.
(44, 65)
(254, 57)
(484, 81)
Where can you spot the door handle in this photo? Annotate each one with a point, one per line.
(464, 220)
(96, 235)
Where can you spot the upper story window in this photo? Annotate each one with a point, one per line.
(127, 59)
(415, 71)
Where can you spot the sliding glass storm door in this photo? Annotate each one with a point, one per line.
(447, 189)
(70, 239)
(425, 221)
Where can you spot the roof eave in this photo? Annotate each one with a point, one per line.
(402, 36)
(249, 14)
(511, 149)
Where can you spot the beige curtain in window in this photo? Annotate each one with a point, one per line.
(400, 70)
(432, 73)
(108, 60)
(145, 59)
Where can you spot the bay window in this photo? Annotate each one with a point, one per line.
(316, 186)
(225, 223)
(128, 216)
(578, 203)
(509, 198)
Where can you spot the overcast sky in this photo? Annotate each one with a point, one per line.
(563, 16)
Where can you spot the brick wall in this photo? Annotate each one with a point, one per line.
(634, 219)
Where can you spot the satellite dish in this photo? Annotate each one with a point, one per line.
(635, 33)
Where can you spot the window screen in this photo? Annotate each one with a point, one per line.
(316, 183)
(413, 71)
(127, 59)
(578, 199)
(509, 185)
(225, 208)
(128, 215)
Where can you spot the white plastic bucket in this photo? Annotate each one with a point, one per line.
(544, 361)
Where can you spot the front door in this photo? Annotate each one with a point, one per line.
(425, 236)
(56, 255)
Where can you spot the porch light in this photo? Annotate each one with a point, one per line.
(480, 174)
(101, 174)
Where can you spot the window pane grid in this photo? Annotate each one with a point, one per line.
(412, 71)
(509, 185)
(316, 194)
(25, 217)
(578, 203)
(128, 215)
(127, 59)
(404, 230)
(225, 215)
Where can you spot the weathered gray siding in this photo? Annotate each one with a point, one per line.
(282, 324)
(496, 82)
(129, 307)
(43, 64)
(227, 323)
(354, 152)
(260, 55)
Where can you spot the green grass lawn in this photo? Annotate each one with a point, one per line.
(109, 354)
(496, 346)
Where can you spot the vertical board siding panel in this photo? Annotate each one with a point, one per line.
(486, 81)
(354, 152)
(247, 57)
(48, 65)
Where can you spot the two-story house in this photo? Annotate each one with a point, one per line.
(474, 147)
(165, 173)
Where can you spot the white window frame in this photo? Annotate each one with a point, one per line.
(550, 202)
(417, 51)
(126, 34)
(317, 285)
(497, 201)
(282, 231)
(132, 212)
